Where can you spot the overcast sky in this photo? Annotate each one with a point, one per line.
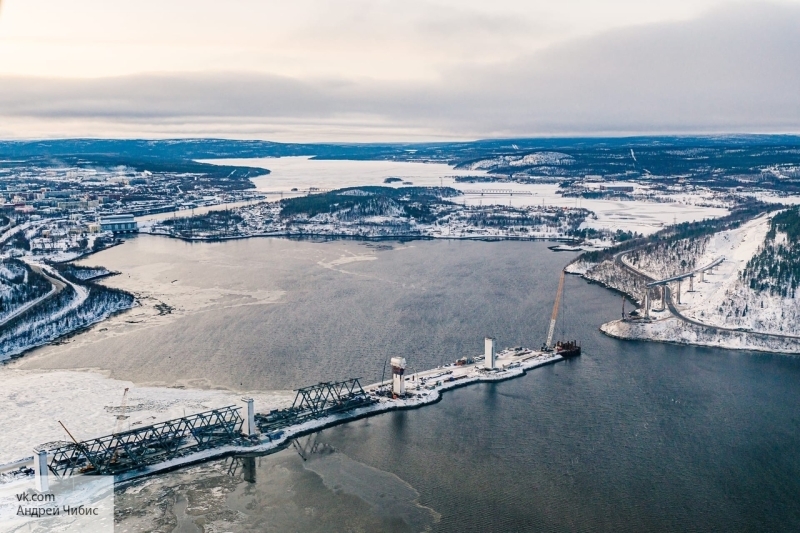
(364, 70)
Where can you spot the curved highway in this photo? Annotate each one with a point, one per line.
(676, 312)
(57, 286)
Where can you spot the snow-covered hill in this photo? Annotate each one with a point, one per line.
(76, 306)
(19, 286)
(726, 297)
(527, 160)
(668, 258)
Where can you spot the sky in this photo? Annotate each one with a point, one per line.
(410, 70)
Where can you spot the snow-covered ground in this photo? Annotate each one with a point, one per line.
(34, 401)
(536, 158)
(637, 215)
(773, 197)
(672, 329)
(14, 229)
(723, 300)
(719, 289)
(62, 313)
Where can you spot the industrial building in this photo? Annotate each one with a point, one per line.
(617, 188)
(119, 224)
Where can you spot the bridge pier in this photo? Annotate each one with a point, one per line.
(691, 283)
(249, 427)
(40, 471)
(647, 303)
(702, 276)
(679, 292)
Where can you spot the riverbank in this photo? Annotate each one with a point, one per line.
(673, 330)
(715, 309)
(402, 237)
(71, 306)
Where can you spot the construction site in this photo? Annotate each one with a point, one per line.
(236, 429)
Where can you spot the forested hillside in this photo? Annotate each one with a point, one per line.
(776, 267)
(19, 285)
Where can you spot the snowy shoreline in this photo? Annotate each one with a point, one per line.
(675, 331)
(361, 237)
(709, 314)
(61, 314)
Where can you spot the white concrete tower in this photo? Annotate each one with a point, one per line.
(398, 378)
(40, 470)
(490, 351)
(249, 427)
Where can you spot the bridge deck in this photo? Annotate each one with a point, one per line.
(685, 275)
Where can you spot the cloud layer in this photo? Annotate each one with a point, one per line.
(732, 70)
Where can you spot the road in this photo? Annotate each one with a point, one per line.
(14, 229)
(677, 313)
(57, 286)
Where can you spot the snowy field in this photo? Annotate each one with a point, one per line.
(719, 301)
(34, 401)
(714, 300)
(303, 173)
(737, 246)
(773, 198)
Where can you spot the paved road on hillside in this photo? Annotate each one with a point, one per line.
(676, 312)
(57, 286)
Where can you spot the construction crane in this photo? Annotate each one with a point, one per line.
(123, 409)
(548, 346)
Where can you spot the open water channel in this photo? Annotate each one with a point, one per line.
(629, 437)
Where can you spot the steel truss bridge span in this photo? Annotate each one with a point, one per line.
(316, 401)
(148, 445)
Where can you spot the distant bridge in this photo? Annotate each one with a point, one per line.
(497, 192)
(311, 190)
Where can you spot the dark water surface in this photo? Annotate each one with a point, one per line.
(629, 437)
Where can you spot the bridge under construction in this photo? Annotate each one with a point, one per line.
(317, 401)
(134, 449)
(662, 285)
(220, 432)
(120, 452)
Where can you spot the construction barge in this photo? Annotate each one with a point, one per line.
(233, 430)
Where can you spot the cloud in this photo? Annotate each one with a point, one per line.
(731, 70)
